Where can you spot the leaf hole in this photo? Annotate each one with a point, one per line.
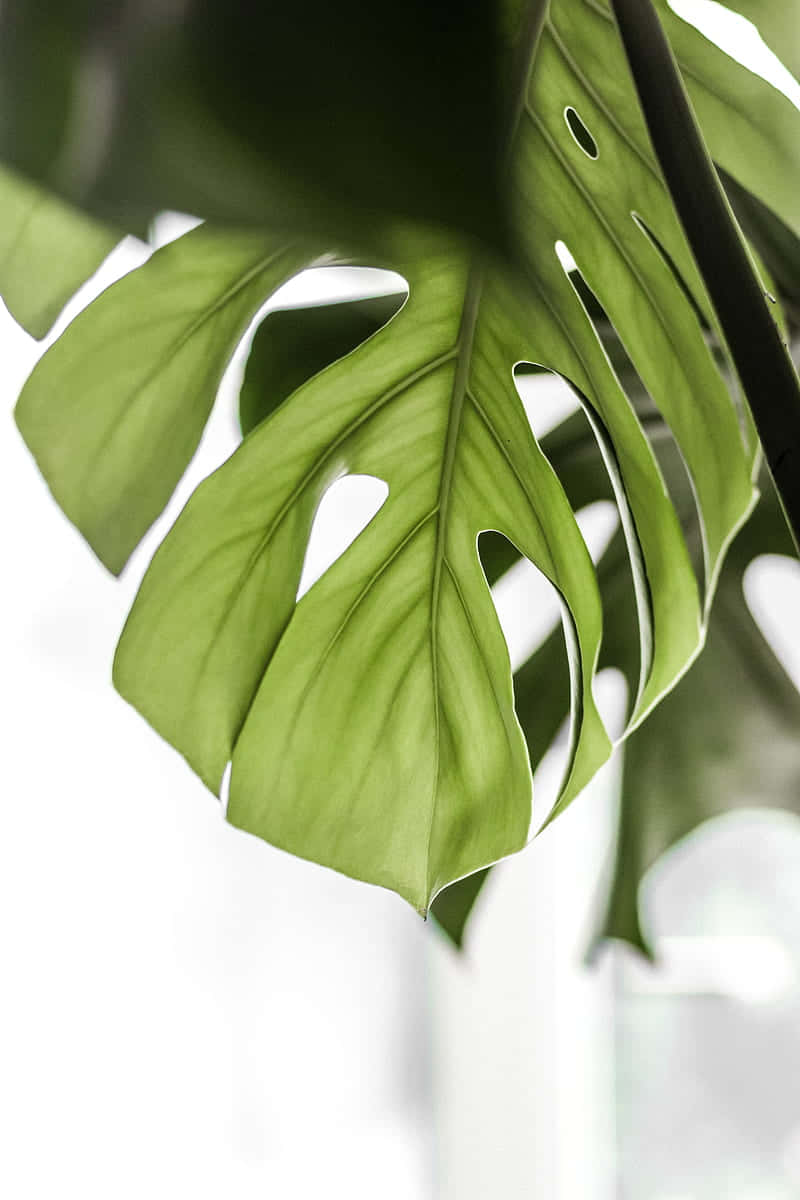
(527, 605)
(772, 592)
(598, 523)
(659, 434)
(546, 397)
(307, 327)
(670, 264)
(580, 133)
(343, 513)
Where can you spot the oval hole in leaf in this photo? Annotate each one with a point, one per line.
(580, 133)
(344, 512)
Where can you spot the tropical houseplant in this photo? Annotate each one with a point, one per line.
(531, 171)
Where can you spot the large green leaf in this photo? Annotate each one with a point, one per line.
(318, 704)
(47, 250)
(754, 132)
(749, 126)
(371, 726)
(351, 717)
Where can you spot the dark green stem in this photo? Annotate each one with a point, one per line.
(754, 340)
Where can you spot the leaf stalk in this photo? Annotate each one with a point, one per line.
(754, 341)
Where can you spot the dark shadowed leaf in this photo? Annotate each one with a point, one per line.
(304, 117)
(728, 737)
(293, 344)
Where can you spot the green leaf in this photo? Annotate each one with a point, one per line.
(754, 338)
(750, 128)
(47, 250)
(350, 717)
(325, 116)
(728, 737)
(754, 133)
(114, 411)
(371, 725)
(778, 246)
(542, 684)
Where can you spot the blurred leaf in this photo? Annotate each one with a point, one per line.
(728, 737)
(47, 250)
(319, 116)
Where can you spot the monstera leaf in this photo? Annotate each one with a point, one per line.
(371, 724)
(701, 753)
(727, 737)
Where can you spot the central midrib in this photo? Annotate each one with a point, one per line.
(526, 52)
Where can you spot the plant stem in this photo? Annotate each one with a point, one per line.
(754, 340)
